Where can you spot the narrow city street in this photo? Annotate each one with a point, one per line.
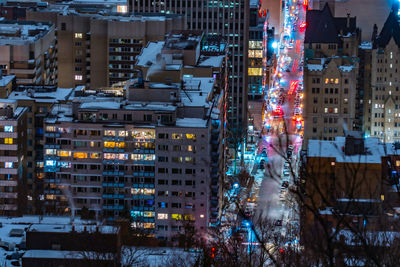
(282, 136)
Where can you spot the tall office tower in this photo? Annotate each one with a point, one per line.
(12, 151)
(330, 75)
(229, 19)
(385, 82)
(99, 50)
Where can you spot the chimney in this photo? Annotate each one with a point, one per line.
(348, 21)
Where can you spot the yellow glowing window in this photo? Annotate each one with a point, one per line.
(51, 197)
(176, 136)
(255, 71)
(176, 216)
(94, 155)
(148, 225)
(331, 80)
(109, 144)
(91, 144)
(397, 163)
(189, 160)
(50, 129)
(120, 144)
(80, 155)
(191, 136)
(78, 35)
(63, 153)
(190, 148)
(148, 191)
(189, 217)
(336, 81)
(162, 216)
(148, 214)
(8, 141)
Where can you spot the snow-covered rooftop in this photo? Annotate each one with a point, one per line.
(335, 149)
(63, 254)
(366, 45)
(18, 33)
(51, 96)
(191, 122)
(347, 68)
(66, 228)
(315, 67)
(210, 61)
(4, 80)
(148, 54)
(101, 105)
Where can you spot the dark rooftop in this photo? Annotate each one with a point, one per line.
(390, 29)
(322, 27)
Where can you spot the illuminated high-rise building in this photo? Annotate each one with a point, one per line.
(229, 19)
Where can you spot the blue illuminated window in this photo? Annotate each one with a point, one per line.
(8, 129)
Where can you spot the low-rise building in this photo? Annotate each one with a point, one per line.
(7, 85)
(27, 50)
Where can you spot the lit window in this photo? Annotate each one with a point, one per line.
(201, 215)
(64, 164)
(336, 81)
(63, 153)
(255, 71)
(50, 163)
(189, 160)
(122, 8)
(176, 216)
(78, 77)
(123, 156)
(120, 144)
(109, 133)
(80, 155)
(326, 110)
(108, 144)
(162, 216)
(8, 165)
(397, 163)
(109, 156)
(50, 129)
(50, 151)
(189, 217)
(8, 141)
(333, 163)
(94, 155)
(122, 133)
(190, 148)
(326, 81)
(78, 35)
(8, 129)
(176, 136)
(336, 110)
(191, 136)
(148, 225)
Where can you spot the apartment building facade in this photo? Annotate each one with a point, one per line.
(229, 19)
(38, 100)
(383, 115)
(28, 51)
(332, 98)
(138, 158)
(12, 166)
(99, 50)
